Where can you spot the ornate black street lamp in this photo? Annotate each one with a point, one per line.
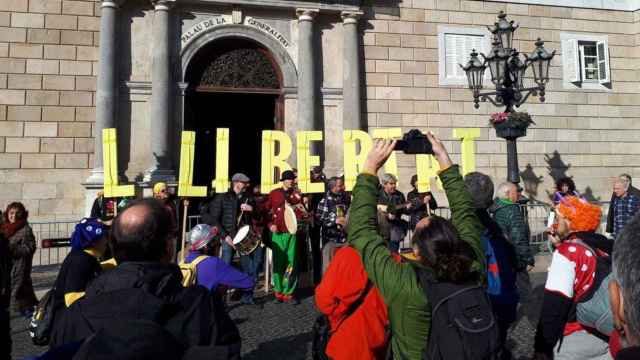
(507, 75)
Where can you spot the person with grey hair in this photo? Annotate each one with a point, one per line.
(624, 290)
(623, 205)
(507, 214)
(393, 204)
(331, 214)
(229, 212)
(500, 255)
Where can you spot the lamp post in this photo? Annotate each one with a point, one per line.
(507, 75)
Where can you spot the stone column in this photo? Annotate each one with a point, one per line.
(307, 92)
(161, 90)
(106, 88)
(352, 78)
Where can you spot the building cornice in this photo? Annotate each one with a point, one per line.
(322, 6)
(621, 5)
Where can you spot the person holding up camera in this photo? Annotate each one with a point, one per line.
(451, 250)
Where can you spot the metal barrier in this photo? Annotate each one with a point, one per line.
(536, 216)
(51, 230)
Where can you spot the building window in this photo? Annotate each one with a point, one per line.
(454, 47)
(585, 61)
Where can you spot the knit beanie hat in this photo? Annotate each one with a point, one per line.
(86, 233)
(582, 215)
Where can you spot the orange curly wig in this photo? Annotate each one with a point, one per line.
(582, 215)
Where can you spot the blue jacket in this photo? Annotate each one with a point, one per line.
(212, 272)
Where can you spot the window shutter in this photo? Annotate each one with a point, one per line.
(571, 61)
(604, 71)
(451, 55)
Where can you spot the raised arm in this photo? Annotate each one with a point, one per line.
(389, 276)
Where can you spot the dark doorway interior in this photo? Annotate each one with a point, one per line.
(246, 115)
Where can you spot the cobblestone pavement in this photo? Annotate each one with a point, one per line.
(283, 331)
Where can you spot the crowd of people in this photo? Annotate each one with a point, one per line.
(453, 293)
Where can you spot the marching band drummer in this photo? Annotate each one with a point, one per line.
(283, 239)
(230, 211)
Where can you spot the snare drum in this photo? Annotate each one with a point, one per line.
(246, 240)
(290, 220)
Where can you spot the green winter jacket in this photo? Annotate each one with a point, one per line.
(511, 220)
(409, 312)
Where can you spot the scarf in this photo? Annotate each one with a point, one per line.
(9, 229)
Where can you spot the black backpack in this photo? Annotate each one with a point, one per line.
(463, 326)
(322, 327)
(41, 323)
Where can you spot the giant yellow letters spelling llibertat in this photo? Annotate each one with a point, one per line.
(354, 160)
(426, 166)
(306, 161)
(187, 156)
(221, 182)
(110, 165)
(468, 149)
(271, 160)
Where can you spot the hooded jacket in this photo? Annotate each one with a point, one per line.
(149, 291)
(512, 222)
(362, 335)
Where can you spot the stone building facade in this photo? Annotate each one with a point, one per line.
(151, 69)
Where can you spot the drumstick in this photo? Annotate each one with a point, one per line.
(241, 213)
(184, 229)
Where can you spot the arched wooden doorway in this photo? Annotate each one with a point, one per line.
(232, 83)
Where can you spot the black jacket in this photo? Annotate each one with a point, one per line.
(145, 291)
(418, 209)
(5, 273)
(224, 210)
(610, 214)
(77, 271)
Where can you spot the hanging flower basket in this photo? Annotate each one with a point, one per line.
(511, 125)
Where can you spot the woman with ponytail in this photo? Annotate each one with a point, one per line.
(451, 250)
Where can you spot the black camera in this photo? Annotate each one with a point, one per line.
(414, 142)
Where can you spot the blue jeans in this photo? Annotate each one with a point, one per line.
(250, 264)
